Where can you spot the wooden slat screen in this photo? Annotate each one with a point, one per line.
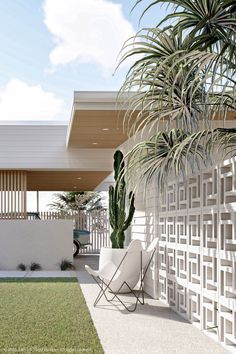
(13, 188)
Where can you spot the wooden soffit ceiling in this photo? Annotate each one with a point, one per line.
(97, 121)
(64, 180)
(98, 129)
(104, 129)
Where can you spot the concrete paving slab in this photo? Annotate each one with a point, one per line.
(153, 329)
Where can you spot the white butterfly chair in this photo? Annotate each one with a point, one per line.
(123, 277)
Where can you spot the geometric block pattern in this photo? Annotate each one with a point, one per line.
(197, 249)
(143, 228)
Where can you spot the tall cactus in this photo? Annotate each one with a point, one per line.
(117, 204)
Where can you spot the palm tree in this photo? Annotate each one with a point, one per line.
(184, 79)
(68, 202)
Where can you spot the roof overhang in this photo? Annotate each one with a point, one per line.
(97, 121)
(64, 180)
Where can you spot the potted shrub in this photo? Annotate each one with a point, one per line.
(120, 215)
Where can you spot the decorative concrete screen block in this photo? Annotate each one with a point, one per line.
(197, 249)
(171, 291)
(210, 229)
(43, 241)
(228, 230)
(194, 228)
(171, 232)
(144, 228)
(181, 225)
(210, 310)
(227, 183)
(194, 270)
(181, 265)
(194, 192)
(210, 188)
(171, 262)
(171, 197)
(162, 285)
(163, 229)
(194, 309)
(182, 300)
(181, 196)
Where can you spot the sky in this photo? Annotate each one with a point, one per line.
(50, 48)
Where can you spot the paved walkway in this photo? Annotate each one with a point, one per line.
(153, 328)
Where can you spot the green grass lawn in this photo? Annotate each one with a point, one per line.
(45, 316)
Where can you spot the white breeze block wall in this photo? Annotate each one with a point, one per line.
(197, 250)
(144, 229)
(43, 241)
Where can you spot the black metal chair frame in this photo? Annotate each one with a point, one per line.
(136, 293)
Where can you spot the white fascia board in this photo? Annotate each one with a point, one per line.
(70, 127)
(100, 96)
(100, 100)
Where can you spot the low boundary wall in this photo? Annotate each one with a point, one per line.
(43, 241)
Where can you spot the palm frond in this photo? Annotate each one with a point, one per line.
(183, 79)
(175, 153)
(175, 84)
(72, 201)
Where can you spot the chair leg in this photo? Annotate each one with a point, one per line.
(140, 290)
(103, 290)
(134, 294)
(104, 287)
(101, 293)
(99, 281)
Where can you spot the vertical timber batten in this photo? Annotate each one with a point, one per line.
(13, 192)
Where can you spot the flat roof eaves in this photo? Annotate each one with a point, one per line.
(97, 110)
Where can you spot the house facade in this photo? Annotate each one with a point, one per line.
(194, 220)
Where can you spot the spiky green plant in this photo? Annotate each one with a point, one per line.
(174, 153)
(66, 265)
(183, 79)
(208, 24)
(35, 266)
(21, 266)
(119, 220)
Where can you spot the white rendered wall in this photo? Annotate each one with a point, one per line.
(43, 241)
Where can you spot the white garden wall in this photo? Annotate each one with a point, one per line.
(196, 227)
(43, 241)
(144, 228)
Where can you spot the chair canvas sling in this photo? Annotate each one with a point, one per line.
(134, 253)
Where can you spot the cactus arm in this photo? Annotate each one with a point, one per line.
(118, 164)
(130, 213)
(111, 207)
(117, 201)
